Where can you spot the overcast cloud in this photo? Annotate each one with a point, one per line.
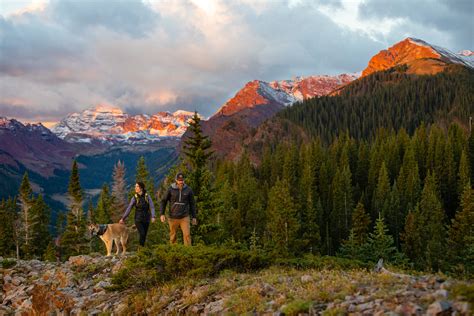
(62, 56)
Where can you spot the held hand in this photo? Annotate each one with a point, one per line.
(195, 221)
(153, 219)
(162, 218)
(121, 221)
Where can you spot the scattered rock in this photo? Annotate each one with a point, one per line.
(306, 278)
(439, 308)
(79, 260)
(214, 307)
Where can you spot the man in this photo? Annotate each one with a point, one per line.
(182, 205)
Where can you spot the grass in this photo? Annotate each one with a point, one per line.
(7, 263)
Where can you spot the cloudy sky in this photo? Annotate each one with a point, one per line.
(62, 56)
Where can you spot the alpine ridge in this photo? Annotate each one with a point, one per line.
(110, 124)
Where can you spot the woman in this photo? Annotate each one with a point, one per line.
(143, 203)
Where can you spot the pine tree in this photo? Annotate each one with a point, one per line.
(380, 244)
(40, 233)
(411, 244)
(73, 240)
(75, 192)
(382, 192)
(470, 152)
(430, 220)
(395, 215)
(351, 248)
(197, 153)
(360, 224)
(409, 181)
(463, 173)
(342, 205)
(26, 220)
(119, 192)
(461, 234)
(103, 209)
(50, 252)
(282, 225)
(143, 175)
(7, 233)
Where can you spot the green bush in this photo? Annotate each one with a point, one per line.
(163, 263)
(7, 263)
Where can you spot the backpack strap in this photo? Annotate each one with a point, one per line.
(146, 199)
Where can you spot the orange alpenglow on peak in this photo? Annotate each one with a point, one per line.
(401, 53)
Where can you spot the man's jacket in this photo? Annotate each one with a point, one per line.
(181, 202)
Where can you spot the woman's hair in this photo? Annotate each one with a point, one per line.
(142, 186)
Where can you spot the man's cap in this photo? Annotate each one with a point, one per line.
(179, 176)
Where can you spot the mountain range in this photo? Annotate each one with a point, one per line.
(107, 131)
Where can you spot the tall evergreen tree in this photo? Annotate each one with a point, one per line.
(103, 209)
(7, 234)
(142, 174)
(382, 192)
(26, 219)
(282, 225)
(394, 214)
(73, 240)
(411, 243)
(470, 152)
(360, 224)
(380, 244)
(430, 222)
(342, 205)
(119, 192)
(463, 173)
(461, 235)
(408, 181)
(197, 152)
(40, 233)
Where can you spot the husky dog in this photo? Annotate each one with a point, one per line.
(110, 233)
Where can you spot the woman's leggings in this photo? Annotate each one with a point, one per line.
(142, 228)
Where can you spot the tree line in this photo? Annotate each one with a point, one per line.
(405, 198)
(390, 99)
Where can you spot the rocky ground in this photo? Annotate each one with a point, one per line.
(79, 286)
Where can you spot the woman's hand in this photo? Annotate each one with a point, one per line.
(121, 221)
(153, 219)
(162, 218)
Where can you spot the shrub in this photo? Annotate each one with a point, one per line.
(163, 263)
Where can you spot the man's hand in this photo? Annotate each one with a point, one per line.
(121, 221)
(195, 221)
(162, 218)
(153, 219)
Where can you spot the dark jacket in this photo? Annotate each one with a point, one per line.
(181, 202)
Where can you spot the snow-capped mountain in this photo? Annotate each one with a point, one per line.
(284, 92)
(110, 124)
(412, 49)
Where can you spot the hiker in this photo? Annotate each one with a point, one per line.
(143, 203)
(182, 205)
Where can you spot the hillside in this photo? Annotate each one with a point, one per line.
(390, 99)
(85, 284)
